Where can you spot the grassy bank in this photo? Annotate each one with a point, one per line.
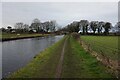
(108, 45)
(80, 64)
(13, 36)
(43, 65)
(77, 63)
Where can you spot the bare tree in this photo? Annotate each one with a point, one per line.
(19, 25)
(52, 25)
(26, 26)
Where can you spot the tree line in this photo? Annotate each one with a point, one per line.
(93, 27)
(36, 26)
(82, 26)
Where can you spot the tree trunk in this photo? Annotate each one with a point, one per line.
(94, 32)
(86, 30)
(83, 30)
(98, 31)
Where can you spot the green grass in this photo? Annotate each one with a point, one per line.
(77, 63)
(44, 65)
(108, 45)
(80, 64)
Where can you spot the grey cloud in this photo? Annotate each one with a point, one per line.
(63, 12)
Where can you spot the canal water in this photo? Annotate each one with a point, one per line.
(17, 53)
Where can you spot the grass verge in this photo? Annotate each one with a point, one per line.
(80, 64)
(9, 36)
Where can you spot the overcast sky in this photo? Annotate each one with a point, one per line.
(63, 12)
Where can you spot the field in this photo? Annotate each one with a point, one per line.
(108, 45)
(77, 63)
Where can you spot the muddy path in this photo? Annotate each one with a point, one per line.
(59, 66)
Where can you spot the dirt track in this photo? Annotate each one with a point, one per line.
(59, 67)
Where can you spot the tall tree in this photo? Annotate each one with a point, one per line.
(94, 25)
(76, 26)
(118, 24)
(84, 24)
(36, 24)
(26, 26)
(100, 26)
(52, 25)
(117, 27)
(19, 25)
(46, 26)
(107, 26)
(2, 30)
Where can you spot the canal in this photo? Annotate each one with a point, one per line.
(17, 53)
